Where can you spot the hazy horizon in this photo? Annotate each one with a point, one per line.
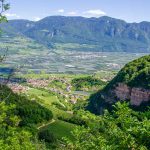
(130, 11)
(78, 16)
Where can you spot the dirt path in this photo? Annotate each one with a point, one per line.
(52, 121)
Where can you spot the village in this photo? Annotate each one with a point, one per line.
(65, 92)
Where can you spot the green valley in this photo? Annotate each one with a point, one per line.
(70, 82)
(29, 56)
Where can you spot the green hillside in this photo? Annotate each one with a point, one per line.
(30, 112)
(134, 74)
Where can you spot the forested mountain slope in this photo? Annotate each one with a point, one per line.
(105, 33)
(131, 83)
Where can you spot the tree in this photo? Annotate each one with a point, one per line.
(121, 130)
(11, 136)
(4, 6)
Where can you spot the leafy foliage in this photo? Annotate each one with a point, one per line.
(47, 136)
(4, 6)
(87, 83)
(120, 130)
(11, 136)
(30, 112)
(134, 74)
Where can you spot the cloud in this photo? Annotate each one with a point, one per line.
(72, 13)
(61, 11)
(36, 18)
(12, 15)
(94, 13)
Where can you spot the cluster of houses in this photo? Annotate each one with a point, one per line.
(38, 83)
(17, 88)
(66, 94)
(44, 83)
(69, 97)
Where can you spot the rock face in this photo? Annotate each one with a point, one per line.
(135, 95)
(122, 91)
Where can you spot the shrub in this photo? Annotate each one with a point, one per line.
(47, 136)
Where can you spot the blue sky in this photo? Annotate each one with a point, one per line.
(128, 10)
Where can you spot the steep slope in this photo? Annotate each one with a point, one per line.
(107, 34)
(16, 27)
(30, 112)
(132, 83)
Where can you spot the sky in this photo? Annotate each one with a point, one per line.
(128, 10)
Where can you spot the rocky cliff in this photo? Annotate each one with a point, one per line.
(135, 95)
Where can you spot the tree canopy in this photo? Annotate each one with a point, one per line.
(121, 130)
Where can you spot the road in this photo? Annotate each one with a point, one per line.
(43, 125)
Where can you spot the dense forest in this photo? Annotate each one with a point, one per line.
(134, 74)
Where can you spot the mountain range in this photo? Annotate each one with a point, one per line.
(105, 33)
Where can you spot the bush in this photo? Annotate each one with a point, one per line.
(47, 136)
(122, 129)
(86, 82)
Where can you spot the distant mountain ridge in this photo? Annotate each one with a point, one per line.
(108, 34)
